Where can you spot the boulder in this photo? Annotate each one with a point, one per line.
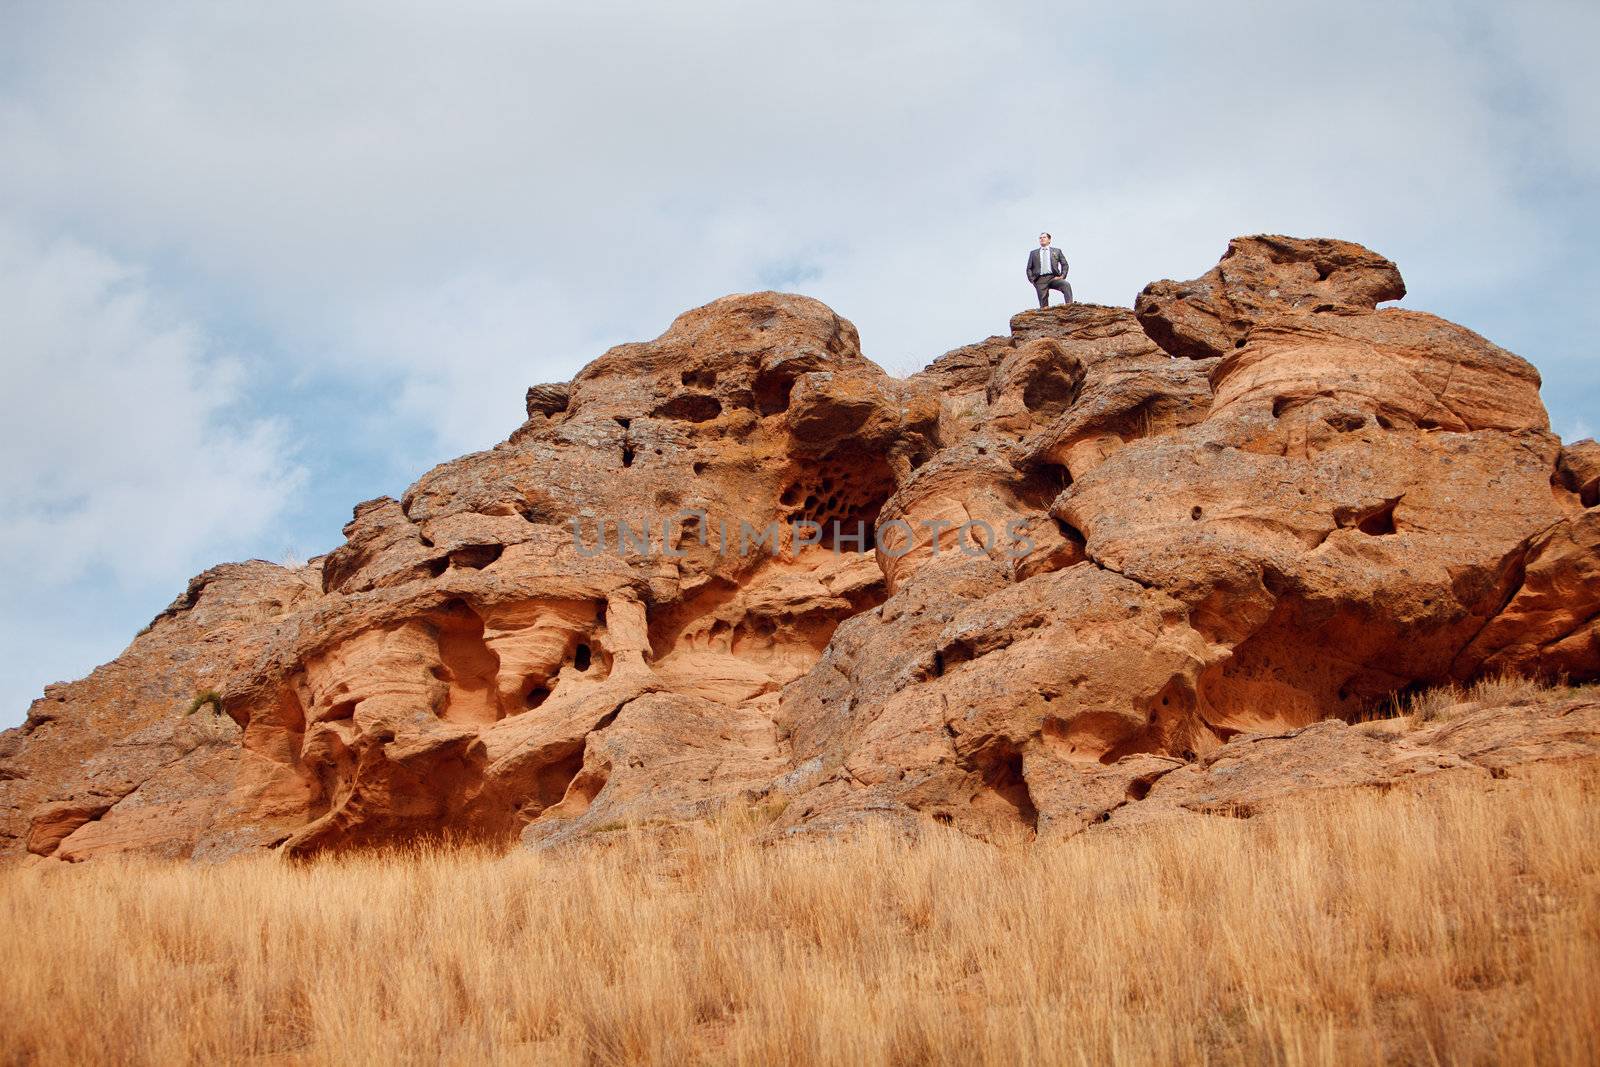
(1262, 279)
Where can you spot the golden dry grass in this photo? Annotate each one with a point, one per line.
(1452, 699)
(1459, 925)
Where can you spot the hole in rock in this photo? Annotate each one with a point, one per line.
(1240, 343)
(425, 540)
(1345, 421)
(954, 655)
(627, 456)
(1385, 422)
(1375, 521)
(476, 557)
(1043, 484)
(1379, 523)
(849, 489)
(437, 567)
(1325, 271)
(1590, 495)
(554, 780)
(1071, 533)
(1196, 511)
(699, 379)
(582, 791)
(536, 696)
(772, 390)
(466, 664)
(1275, 581)
(699, 467)
(689, 407)
(582, 657)
(1003, 775)
(1139, 788)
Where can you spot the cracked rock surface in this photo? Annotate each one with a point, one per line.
(1114, 564)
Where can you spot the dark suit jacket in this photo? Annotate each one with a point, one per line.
(1058, 261)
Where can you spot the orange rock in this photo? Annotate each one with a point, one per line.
(1579, 469)
(1261, 279)
(1252, 773)
(1116, 548)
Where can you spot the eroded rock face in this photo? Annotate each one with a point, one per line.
(1262, 279)
(1067, 562)
(1254, 772)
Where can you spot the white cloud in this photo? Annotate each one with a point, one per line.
(332, 162)
(123, 449)
(123, 459)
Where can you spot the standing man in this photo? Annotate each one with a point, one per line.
(1047, 270)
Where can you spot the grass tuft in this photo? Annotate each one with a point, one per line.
(210, 696)
(1451, 700)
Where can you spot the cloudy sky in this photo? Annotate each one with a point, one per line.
(259, 262)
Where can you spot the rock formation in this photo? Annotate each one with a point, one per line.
(1053, 571)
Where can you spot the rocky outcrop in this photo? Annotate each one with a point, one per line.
(739, 561)
(1254, 772)
(1261, 279)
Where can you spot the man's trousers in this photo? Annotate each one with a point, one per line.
(1049, 282)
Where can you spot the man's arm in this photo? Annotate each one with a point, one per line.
(1033, 275)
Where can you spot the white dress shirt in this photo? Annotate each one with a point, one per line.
(1046, 264)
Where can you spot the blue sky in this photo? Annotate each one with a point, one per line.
(260, 262)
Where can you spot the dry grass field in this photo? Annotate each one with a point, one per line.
(1460, 924)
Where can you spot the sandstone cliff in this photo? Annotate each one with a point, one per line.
(1108, 544)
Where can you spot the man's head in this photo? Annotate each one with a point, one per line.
(1044, 240)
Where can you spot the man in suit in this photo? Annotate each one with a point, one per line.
(1047, 270)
